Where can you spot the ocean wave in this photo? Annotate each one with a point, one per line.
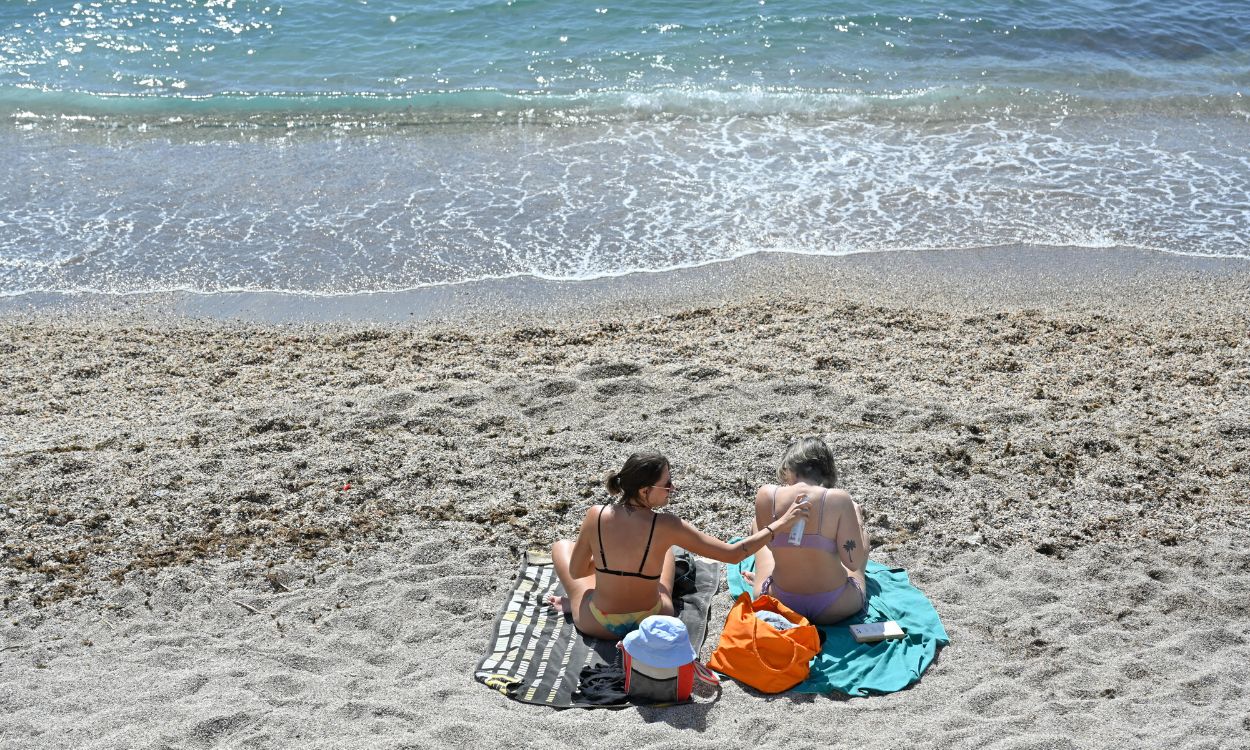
(371, 110)
(320, 211)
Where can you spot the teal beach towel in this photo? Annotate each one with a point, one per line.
(866, 668)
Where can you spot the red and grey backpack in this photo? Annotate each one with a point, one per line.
(660, 664)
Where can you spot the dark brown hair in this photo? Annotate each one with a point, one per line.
(808, 460)
(643, 469)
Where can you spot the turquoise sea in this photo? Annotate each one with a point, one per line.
(343, 146)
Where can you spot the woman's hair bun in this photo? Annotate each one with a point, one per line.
(640, 470)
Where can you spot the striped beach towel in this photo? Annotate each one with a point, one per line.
(537, 656)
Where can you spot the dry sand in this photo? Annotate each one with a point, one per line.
(1059, 457)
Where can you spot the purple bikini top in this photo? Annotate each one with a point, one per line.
(809, 541)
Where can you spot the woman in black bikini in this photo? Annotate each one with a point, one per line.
(620, 569)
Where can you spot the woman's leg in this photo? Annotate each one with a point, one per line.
(764, 564)
(575, 587)
(578, 592)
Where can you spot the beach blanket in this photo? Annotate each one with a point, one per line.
(537, 656)
(865, 668)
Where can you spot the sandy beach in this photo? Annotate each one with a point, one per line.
(295, 529)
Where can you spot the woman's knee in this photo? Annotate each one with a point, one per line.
(561, 558)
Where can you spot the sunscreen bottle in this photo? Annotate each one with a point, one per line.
(796, 531)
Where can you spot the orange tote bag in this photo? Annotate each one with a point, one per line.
(753, 652)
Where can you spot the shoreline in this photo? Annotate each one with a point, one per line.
(1013, 276)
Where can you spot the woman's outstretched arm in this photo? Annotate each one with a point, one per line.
(685, 535)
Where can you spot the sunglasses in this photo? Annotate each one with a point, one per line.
(670, 486)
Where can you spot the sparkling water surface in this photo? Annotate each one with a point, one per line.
(330, 147)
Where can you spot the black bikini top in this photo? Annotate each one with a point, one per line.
(604, 560)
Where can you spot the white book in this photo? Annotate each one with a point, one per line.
(871, 632)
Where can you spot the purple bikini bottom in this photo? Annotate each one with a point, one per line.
(812, 605)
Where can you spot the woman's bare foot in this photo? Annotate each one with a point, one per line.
(748, 576)
(558, 603)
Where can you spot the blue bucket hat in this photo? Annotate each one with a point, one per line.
(660, 641)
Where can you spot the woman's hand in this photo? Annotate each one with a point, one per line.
(798, 510)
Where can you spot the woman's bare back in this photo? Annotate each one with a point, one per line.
(834, 516)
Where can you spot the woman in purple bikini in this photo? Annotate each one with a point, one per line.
(822, 576)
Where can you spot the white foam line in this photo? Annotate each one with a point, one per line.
(85, 291)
